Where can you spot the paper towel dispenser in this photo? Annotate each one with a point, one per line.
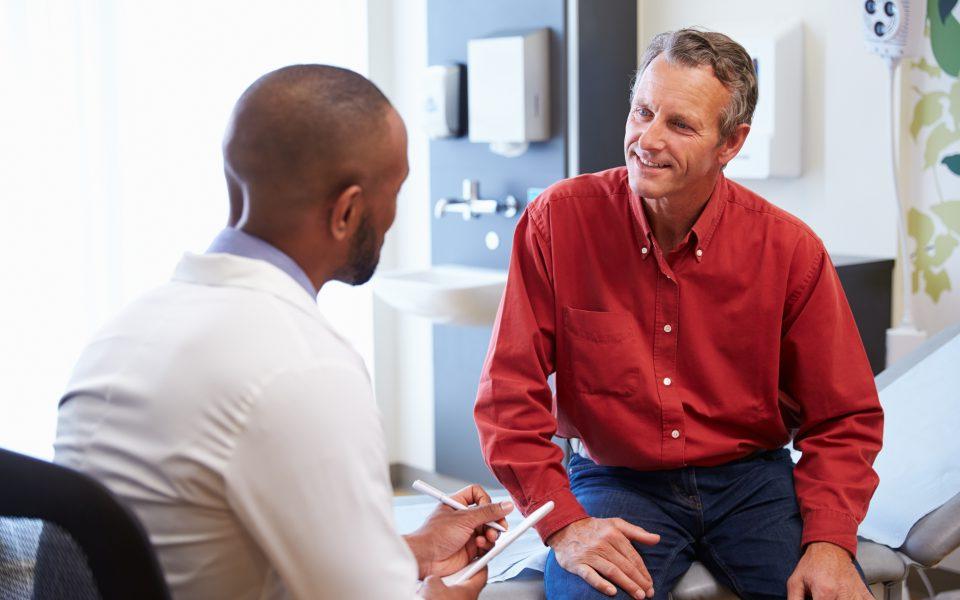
(508, 90)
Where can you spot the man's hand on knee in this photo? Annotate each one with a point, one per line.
(600, 552)
(826, 572)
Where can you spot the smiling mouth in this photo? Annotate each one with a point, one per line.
(651, 164)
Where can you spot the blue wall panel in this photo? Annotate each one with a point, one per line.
(459, 351)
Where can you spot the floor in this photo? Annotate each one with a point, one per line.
(402, 478)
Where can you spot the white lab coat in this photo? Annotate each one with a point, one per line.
(242, 430)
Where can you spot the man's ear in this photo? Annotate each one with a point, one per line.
(345, 212)
(730, 146)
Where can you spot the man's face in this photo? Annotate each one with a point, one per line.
(381, 202)
(672, 136)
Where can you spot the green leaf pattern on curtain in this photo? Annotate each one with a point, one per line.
(935, 125)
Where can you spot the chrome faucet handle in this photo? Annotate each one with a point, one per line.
(471, 205)
(470, 189)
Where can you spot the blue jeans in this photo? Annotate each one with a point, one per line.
(740, 519)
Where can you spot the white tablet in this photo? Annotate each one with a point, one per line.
(505, 540)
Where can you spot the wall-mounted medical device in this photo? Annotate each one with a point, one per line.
(892, 28)
(773, 147)
(443, 101)
(508, 90)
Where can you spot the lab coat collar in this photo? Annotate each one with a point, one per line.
(228, 270)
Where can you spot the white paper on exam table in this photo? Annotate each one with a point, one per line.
(916, 478)
(528, 552)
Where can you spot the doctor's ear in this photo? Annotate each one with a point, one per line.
(345, 212)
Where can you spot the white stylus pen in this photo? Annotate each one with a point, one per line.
(501, 545)
(433, 492)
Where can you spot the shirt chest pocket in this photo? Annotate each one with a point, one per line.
(602, 352)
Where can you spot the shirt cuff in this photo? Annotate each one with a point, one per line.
(823, 525)
(566, 510)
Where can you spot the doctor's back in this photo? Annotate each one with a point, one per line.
(217, 407)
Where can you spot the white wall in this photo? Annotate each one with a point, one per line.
(404, 344)
(845, 192)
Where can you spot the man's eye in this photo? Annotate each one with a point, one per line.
(643, 112)
(680, 125)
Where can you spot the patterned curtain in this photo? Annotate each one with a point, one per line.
(931, 152)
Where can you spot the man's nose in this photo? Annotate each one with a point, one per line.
(652, 138)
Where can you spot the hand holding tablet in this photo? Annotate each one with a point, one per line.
(505, 540)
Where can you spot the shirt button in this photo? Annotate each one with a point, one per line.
(699, 252)
(675, 433)
(667, 381)
(667, 328)
(643, 250)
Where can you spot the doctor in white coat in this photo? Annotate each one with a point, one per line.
(224, 409)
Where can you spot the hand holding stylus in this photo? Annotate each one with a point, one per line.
(433, 492)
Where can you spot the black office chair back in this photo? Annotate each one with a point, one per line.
(64, 535)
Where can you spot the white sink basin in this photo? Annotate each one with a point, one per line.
(452, 294)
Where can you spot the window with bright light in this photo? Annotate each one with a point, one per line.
(111, 118)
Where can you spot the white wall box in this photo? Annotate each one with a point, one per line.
(774, 148)
(508, 88)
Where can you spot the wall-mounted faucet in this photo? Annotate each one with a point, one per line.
(471, 205)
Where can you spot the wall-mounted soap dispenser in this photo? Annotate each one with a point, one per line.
(443, 105)
(508, 90)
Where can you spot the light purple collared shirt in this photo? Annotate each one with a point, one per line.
(239, 243)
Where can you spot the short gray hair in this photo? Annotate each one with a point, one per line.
(730, 62)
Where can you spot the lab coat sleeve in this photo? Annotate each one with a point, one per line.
(308, 479)
(824, 368)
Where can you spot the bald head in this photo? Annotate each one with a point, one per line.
(315, 157)
(301, 133)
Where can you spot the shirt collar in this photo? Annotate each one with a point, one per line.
(706, 224)
(239, 243)
(704, 227)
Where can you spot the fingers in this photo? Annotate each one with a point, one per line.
(599, 550)
(588, 574)
(472, 494)
(434, 588)
(636, 534)
(478, 515)
(632, 565)
(614, 569)
(481, 542)
(475, 494)
(475, 584)
(795, 588)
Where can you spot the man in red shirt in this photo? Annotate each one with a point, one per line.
(694, 329)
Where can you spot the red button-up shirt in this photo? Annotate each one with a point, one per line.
(738, 339)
